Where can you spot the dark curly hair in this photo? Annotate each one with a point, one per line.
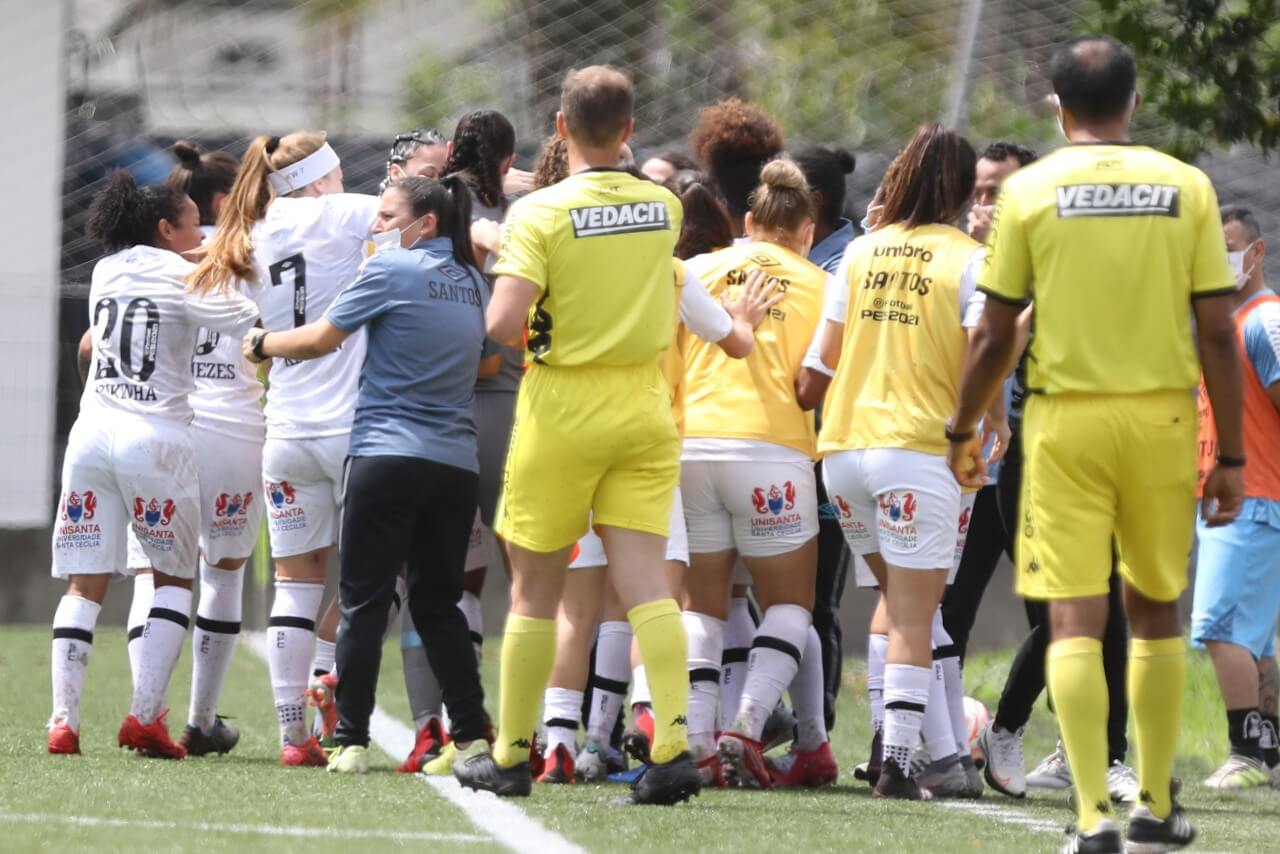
(125, 214)
(482, 140)
(551, 166)
(202, 175)
(735, 139)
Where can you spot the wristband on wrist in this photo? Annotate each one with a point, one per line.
(953, 436)
(257, 346)
(1230, 462)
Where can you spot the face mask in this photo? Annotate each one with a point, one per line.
(1235, 260)
(391, 239)
(866, 220)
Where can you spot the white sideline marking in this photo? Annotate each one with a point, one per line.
(499, 818)
(309, 832)
(1002, 814)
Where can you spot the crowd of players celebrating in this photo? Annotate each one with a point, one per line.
(679, 403)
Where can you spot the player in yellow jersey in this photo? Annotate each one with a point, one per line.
(895, 339)
(747, 477)
(1118, 245)
(588, 263)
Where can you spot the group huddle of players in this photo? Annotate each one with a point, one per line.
(640, 413)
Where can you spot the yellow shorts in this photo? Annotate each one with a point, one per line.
(1100, 469)
(595, 439)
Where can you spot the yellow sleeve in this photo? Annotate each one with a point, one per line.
(523, 251)
(1210, 275)
(1006, 272)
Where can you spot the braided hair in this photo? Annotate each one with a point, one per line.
(483, 140)
(406, 145)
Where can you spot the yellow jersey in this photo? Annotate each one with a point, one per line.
(754, 398)
(1112, 242)
(904, 341)
(598, 247)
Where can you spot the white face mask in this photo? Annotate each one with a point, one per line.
(393, 238)
(1235, 260)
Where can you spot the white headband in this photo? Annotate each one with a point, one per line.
(309, 169)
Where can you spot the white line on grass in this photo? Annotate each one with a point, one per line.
(309, 832)
(499, 818)
(1002, 814)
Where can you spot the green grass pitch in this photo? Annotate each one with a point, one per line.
(108, 800)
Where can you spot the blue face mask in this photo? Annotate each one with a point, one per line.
(866, 219)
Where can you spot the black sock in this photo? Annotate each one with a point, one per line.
(1244, 727)
(1269, 741)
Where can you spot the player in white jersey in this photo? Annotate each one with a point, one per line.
(294, 240)
(129, 457)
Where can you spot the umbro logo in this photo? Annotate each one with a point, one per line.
(764, 260)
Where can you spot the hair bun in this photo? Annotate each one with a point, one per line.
(783, 174)
(846, 160)
(188, 153)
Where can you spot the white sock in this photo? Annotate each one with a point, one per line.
(739, 629)
(935, 728)
(323, 660)
(291, 638)
(953, 679)
(214, 640)
(144, 587)
(562, 710)
(706, 646)
(906, 695)
(609, 681)
(73, 624)
(807, 694)
(162, 642)
(775, 658)
(469, 605)
(877, 650)
(640, 686)
(420, 683)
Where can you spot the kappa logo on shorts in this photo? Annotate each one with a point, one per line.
(776, 500)
(903, 510)
(75, 507)
(226, 506)
(281, 493)
(152, 513)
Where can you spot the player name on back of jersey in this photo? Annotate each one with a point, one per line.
(1076, 200)
(598, 220)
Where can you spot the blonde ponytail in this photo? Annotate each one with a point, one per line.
(230, 254)
(782, 203)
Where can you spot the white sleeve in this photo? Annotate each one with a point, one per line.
(813, 356)
(835, 293)
(972, 300)
(355, 213)
(700, 313)
(227, 312)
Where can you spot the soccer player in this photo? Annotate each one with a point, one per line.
(902, 296)
(748, 484)
(1237, 588)
(1118, 245)
(130, 457)
(294, 239)
(593, 431)
(421, 151)
(663, 166)
(411, 474)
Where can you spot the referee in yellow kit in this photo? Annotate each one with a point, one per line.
(1117, 245)
(593, 432)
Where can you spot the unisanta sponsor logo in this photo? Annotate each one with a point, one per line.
(775, 500)
(152, 513)
(75, 507)
(599, 220)
(896, 510)
(1077, 200)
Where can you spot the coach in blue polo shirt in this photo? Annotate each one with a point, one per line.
(412, 472)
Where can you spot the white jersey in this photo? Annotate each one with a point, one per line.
(228, 396)
(145, 325)
(305, 251)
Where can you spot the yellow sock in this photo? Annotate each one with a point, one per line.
(1157, 671)
(664, 651)
(1078, 685)
(528, 652)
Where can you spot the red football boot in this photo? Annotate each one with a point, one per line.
(811, 768)
(431, 740)
(150, 740)
(308, 755)
(746, 756)
(63, 739)
(558, 767)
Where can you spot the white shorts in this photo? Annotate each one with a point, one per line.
(302, 490)
(762, 509)
(123, 473)
(591, 549)
(967, 500)
(903, 504)
(230, 494)
(480, 547)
